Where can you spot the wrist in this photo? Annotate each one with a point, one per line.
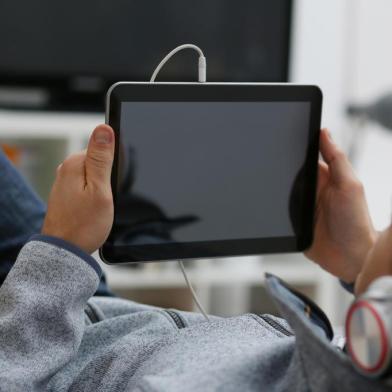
(64, 236)
(358, 257)
(378, 262)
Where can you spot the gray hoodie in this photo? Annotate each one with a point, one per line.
(55, 337)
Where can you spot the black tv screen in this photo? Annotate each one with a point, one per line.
(90, 44)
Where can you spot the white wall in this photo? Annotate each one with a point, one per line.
(318, 52)
(373, 77)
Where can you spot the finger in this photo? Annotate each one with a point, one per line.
(340, 169)
(322, 177)
(99, 156)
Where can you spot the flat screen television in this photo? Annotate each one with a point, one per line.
(76, 49)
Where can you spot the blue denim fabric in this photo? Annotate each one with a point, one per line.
(303, 306)
(22, 211)
(21, 215)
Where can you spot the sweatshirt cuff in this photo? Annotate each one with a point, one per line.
(70, 248)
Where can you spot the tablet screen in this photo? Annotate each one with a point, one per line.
(209, 171)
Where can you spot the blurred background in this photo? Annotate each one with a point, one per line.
(58, 59)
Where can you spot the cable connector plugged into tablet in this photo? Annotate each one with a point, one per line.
(202, 68)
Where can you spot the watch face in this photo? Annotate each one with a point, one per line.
(367, 339)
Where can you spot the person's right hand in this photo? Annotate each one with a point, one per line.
(344, 232)
(80, 208)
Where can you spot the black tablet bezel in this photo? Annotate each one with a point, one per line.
(211, 92)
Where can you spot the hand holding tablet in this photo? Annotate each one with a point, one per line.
(212, 170)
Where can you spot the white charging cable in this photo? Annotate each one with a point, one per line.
(202, 78)
(202, 62)
(194, 295)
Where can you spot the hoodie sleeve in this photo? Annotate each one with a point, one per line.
(42, 305)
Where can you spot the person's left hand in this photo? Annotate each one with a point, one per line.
(80, 208)
(343, 232)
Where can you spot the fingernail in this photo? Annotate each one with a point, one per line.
(329, 135)
(102, 136)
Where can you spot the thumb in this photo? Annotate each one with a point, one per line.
(99, 156)
(340, 169)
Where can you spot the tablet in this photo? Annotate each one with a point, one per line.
(206, 170)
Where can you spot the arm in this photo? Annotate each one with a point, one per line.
(43, 298)
(41, 318)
